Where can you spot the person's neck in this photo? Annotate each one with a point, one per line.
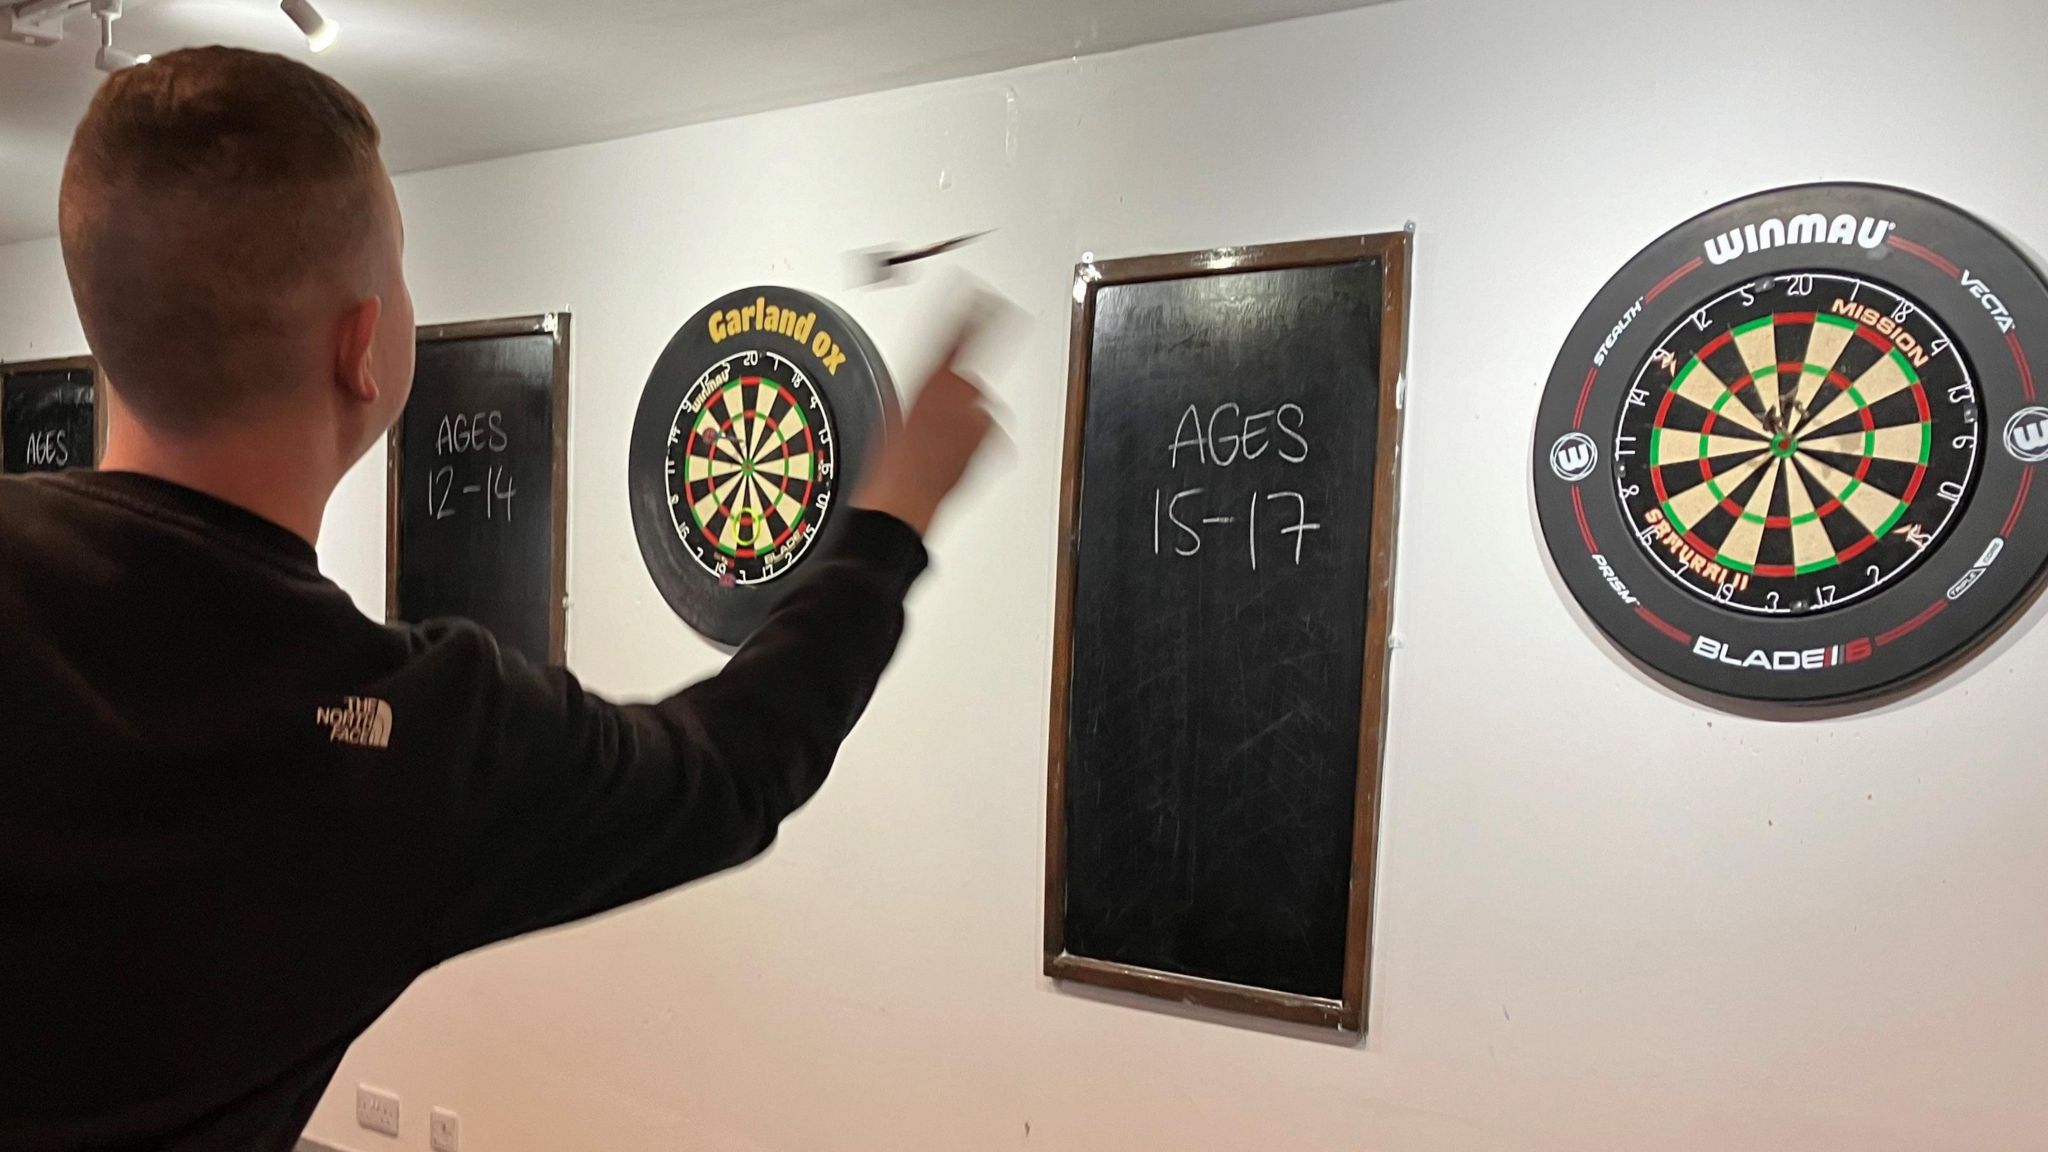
(267, 474)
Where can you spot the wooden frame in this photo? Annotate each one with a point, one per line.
(69, 364)
(1347, 1014)
(556, 325)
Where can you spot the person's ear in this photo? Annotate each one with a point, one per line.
(355, 371)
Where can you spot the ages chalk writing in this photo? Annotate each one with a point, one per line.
(449, 488)
(48, 450)
(1270, 521)
(1229, 434)
(471, 432)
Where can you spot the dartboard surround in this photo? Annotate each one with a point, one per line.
(1788, 452)
(755, 423)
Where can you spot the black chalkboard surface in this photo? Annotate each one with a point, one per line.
(1230, 485)
(477, 482)
(49, 416)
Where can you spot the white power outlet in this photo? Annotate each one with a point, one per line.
(445, 1131)
(376, 1110)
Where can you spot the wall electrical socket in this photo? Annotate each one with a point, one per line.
(445, 1131)
(376, 1110)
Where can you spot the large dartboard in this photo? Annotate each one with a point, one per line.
(753, 426)
(1788, 452)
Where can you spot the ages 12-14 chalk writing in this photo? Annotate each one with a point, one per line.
(462, 438)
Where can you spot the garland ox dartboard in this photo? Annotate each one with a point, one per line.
(754, 423)
(1788, 451)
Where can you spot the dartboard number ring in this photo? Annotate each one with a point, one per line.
(755, 422)
(1818, 416)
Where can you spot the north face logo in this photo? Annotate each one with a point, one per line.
(361, 721)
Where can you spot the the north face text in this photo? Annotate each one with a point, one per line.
(361, 721)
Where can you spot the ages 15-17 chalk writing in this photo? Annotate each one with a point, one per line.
(463, 436)
(1228, 436)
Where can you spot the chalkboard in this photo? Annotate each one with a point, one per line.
(1221, 645)
(478, 482)
(49, 415)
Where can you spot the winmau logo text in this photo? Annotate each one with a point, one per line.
(361, 721)
(1811, 228)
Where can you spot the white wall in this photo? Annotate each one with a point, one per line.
(37, 320)
(1609, 919)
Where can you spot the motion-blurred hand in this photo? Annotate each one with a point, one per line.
(945, 429)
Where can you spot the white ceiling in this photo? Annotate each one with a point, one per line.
(459, 80)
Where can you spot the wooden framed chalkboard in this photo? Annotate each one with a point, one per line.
(1219, 670)
(51, 418)
(478, 483)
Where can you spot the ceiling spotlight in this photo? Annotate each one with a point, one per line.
(320, 31)
(110, 58)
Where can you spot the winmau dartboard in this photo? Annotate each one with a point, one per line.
(752, 428)
(1788, 453)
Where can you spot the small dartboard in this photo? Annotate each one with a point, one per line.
(1788, 452)
(753, 426)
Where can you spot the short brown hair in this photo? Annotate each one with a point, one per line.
(209, 195)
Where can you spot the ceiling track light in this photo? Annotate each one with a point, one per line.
(320, 31)
(110, 58)
(40, 24)
(37, 23)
